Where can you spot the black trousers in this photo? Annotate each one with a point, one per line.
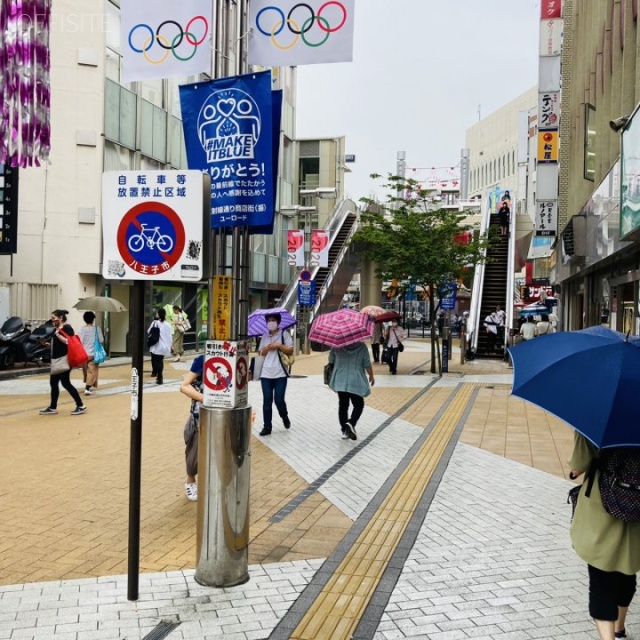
(375, 351)
(609, 590)
(344, 397)
(157, 365)
(57, 379)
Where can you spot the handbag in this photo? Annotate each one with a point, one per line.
(99, 354)
(76, 355)
(59, 365)
(180, 328)
(400, 345)
(327, 372)
(286, 360)
(186, 325)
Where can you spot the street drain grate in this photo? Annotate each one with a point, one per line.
(162, 630)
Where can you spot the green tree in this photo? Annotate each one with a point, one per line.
(412, 239)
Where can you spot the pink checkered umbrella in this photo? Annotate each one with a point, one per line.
(341, 328)
(372, 310)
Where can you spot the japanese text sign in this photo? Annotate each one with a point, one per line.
(546, 217)
(225, 375)
(547, 146)
(551, 9)
(549, 110)
(295, 248)
(222, 307)
(228, 134)
(152, 225)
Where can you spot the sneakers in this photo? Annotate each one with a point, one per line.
(350, 431)
(192, 491)
(88, 392)
(345, 435)
(48, 412)
(78, 411)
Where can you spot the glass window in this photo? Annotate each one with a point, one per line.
(309, 173)
(146, 128)
(112, 27)
(153, 91)
(112, 111)
(117, 158)
(112, 65)
(128, 118)
(159, 134)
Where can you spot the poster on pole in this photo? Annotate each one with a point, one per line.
(225, 374)
(295, 248)
(228, 134)
(152, 225)
(222, 307)
(319, 248)
(172, 40)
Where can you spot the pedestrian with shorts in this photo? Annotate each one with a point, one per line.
(88, 335)
(192, 388)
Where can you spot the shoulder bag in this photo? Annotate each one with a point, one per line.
(153, 335)
(286, 360)
(400, 345)
(59, 365)
(99, 354)
(76, 355)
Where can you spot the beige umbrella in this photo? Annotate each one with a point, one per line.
(100, 303)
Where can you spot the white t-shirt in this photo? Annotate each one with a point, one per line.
(163, 346)
(272, 367)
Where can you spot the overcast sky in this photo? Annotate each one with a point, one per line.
(421, 72)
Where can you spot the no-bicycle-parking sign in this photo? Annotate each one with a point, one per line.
(152, 225)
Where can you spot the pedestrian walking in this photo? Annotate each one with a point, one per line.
(273, 374)
(528, 329)
(395, 334)
(162, 347)
(192, 388)
(376, 340)
(543, 327)
(178, 333)
(348, 380)
(60, 369)
(610, 547)
(88, 335)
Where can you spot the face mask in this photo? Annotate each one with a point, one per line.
(272, 326)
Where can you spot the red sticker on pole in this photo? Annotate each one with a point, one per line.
(225, 375)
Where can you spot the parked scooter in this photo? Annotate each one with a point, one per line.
(19, 344)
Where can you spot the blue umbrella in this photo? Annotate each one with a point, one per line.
(258, 324)
(589, 378)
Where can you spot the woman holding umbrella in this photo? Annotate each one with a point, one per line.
(348, 380)
(395, 334)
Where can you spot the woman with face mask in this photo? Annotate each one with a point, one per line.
(395, 334)
(273, 374)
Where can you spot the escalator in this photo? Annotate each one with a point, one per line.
(494, 288)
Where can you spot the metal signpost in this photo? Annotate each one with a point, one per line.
(149, 218)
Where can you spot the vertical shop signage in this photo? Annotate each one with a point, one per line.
(8, 209)
(222, 307)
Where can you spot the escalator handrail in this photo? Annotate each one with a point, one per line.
(289, 298)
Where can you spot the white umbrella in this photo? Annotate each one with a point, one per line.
(100, 303)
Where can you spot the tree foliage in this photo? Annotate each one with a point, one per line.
(415, 241)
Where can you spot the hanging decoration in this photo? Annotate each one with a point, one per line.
(25, 95)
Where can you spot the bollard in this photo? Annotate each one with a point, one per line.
(224, 466)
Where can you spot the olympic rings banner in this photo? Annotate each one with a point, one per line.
(228, 133)
(173, 39)
(289, 33)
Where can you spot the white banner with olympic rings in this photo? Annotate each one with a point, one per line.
(174, 39)
(289, 33)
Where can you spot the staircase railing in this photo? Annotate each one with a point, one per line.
(289, 297)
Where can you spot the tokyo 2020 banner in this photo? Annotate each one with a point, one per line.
(289, 33)
(173, 39)
(228, 133)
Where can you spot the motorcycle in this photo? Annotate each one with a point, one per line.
(19, 344)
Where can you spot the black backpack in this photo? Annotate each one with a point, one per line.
(153, 335)
(619, 482)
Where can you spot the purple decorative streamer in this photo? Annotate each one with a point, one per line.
(25, 136)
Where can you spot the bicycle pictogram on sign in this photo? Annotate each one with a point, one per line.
(151, 238)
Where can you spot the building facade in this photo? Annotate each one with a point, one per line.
(100, 123)
(597, 270)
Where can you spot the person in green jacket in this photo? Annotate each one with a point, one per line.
(349, 381)
(609, 546)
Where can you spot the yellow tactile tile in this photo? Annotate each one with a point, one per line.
(336, 611)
